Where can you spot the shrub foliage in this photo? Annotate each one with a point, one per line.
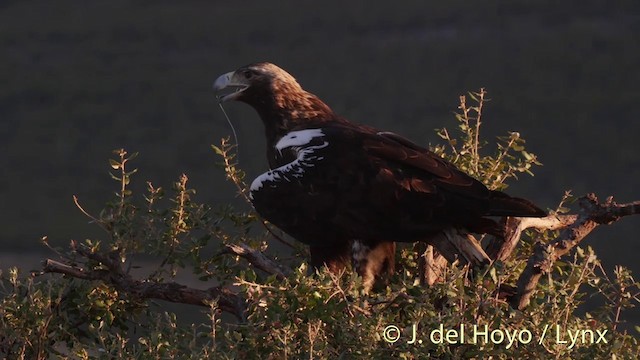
(294, 313)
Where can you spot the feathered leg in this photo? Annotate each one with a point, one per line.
(373, 261)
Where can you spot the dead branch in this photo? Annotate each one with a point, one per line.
(431, 264)
(501, 248)
(113, 275)
(258, 259)
(591, 215)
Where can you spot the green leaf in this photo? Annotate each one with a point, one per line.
(493, 275)
(217, 150)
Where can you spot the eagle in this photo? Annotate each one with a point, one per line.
(351, 191)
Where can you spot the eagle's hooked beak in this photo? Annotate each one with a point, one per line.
(229, 81)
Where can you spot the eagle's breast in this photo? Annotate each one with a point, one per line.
(297, 196)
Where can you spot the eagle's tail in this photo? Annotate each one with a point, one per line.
(501, 204)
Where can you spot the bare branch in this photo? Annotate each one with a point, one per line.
(258, 259)
(170, 291)
(501, 248)
(111, 260)
(431, 264)
(544, 256)
(52, 266)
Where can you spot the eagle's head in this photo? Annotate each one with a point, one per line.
(253, 83)
(276, 95)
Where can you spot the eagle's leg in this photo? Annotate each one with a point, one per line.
(373, 261)
(336, 257)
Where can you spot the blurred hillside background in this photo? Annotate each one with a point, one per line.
(81, 78)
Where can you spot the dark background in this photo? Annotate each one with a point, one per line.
(81, 78)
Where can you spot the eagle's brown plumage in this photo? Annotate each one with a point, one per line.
(279, 100)
(342, 187)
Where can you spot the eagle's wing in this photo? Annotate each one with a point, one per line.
(419, 165)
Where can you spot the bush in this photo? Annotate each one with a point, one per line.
(98, 309)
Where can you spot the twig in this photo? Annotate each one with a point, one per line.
(476, 142)
(93, 219)
(336, 282)
(258, 259)
(276, 236)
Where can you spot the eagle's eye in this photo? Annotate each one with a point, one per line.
(248, 74)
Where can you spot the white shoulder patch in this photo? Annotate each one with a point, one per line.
(306, 157)
(298, 138)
